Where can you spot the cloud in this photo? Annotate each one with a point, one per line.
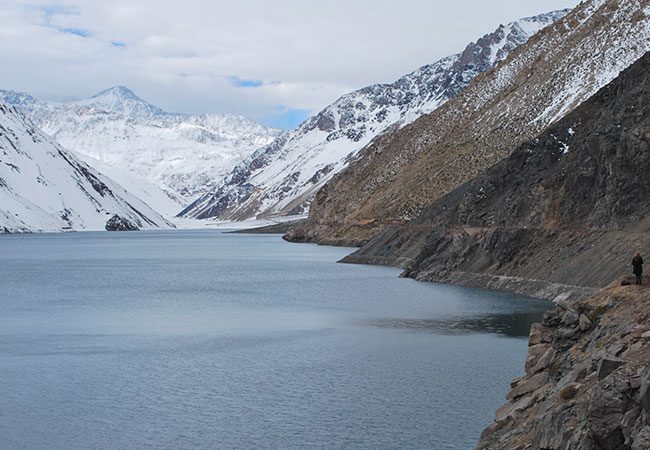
(245, 56)
(49, 10)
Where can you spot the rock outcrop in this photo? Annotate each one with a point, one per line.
(587, 381)
(564, 213)
(117, 223)
(551, 74)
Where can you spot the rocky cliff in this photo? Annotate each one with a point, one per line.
(557, 69)
(282, 178)
(562, 214)
(587, 381)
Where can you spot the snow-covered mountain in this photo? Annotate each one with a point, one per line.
(181, 154)
(44, 187)
(122, 100)
(282, 178)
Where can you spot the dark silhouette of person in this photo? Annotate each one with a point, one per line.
(637, 267)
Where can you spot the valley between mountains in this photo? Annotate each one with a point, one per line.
(370, 168)
(521, 164)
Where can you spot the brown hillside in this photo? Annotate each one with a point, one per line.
(556, 70)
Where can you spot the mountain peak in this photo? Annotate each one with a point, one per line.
(120, 99)
(121, 91)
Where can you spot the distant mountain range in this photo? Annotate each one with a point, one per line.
(376, 157)
(46, 188)
(282, 178)
(184, 155)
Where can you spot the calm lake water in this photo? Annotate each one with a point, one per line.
(205, 340)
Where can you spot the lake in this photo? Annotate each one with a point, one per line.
(205, 340)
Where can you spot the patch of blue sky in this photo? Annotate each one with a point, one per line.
(286, 118)
(75, 31)
(117, 44)
(239, 82)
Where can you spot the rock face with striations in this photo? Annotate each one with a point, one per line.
(282, 178)
(552, 73)
(587, 381)
(568, 208)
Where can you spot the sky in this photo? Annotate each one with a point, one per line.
(276, 61)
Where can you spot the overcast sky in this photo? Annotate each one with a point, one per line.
(276, 61)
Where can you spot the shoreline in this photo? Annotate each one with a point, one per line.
(535, 288)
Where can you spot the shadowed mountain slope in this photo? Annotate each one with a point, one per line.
(553, 72)
(568, 208)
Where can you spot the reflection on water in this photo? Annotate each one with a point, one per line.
(511, 325)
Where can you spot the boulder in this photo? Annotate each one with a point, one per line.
(607, 365)
(570, 319)
(538, 334)
(516, 381)
(528, 386)
(510, 409)
(534, 354)
(544, 361)
(117, 223)
(584, 323)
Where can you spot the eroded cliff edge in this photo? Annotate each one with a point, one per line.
(587, 382)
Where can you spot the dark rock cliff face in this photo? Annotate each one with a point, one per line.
(552, 73)
(587, 381)
(568, 208)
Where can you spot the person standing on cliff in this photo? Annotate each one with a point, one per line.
(637, 267)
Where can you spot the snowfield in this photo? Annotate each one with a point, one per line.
(182, 155)
(45, 188)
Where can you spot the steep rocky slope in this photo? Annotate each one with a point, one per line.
(566, 209)
(539, 82)
(43, 187)
(181, 154)
(587, 381)
(281, 179)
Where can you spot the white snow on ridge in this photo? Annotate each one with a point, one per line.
(44, 188)
(141, 188)
(616, 52)
(181, 154)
